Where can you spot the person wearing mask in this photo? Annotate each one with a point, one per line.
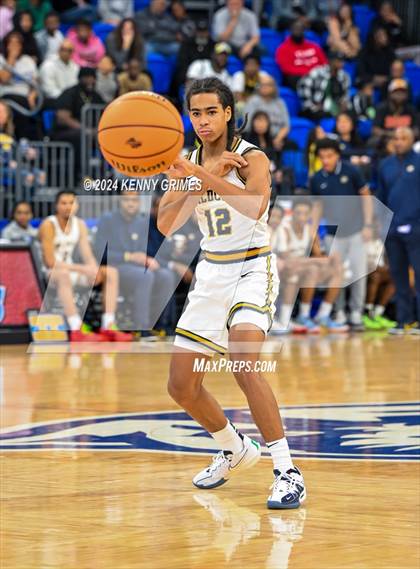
(114, 11)
(237, 26)
(125, 43)
(50, 38)
(343, 35)
(88, 48)
(296, 56)
(134, 79)
(399, 190)
(214, 67)
(159, 29)
(20, 228)
(58, 73)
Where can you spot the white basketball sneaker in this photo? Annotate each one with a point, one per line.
(288, 490)
(225, 464)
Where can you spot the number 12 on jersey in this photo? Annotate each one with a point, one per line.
(218, 221)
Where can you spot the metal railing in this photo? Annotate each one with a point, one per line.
(8, 172)
(93, 163)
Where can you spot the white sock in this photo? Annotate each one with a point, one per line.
(74, 322)
(229, 438)
(324, 310)
(368, 308)
(108, 318)
(378, 310)
(280, 454)
(285, 314)
(305, 309)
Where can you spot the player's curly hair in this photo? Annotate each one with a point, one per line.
(214, 85)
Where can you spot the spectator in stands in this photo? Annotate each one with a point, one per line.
(362, 103)
(7, 12)
(7, 127)
(134, 79)
(73, 10)
(60, 235)
(399, 189)
(125, 43)
(38, 9)
(260, 135)
(376, 57)
(50, 38)
(311, 13)
(351, 144)
(396, 71)
(237, 26)
(88, 48)
(106, 82)
(396, 111)
(114, 11)
(159, 29)
(274, 221)
(200, 46)
(245, 83)
(324, 91)
(352, 220)
(124, 234)
(312, 158)
(58, 73)
(69, 109)
(13, 65)
(20, 228)
(388, 18)
(268, 100)
(343, 34)
(214, 67)
(297, 56)
(186, 26)
(305, 267)
(24, 24)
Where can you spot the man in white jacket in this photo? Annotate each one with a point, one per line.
(59, 72)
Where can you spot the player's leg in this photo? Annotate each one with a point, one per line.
(288, 490)
(308, 282)
(386, 291)
(61, 279)
(108, 277)
(331, 277)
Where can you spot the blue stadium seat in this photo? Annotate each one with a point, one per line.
(187, 123)
(364, 128)
(291, 99)
(299, 130)
(412, 74)
(140, 5)
(295, 159)
(351, 68)
(234, 64)
(161, 69)
(48, 119)
(102, 29)
(270, 40)
(64, 28)
(363, 17)
(327, 124)
(269, 65)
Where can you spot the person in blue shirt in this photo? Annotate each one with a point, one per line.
(122, 241)
(399, 189)
(349, 223)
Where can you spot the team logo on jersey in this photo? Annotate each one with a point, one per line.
(367, 431)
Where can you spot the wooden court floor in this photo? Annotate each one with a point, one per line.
(97, 462)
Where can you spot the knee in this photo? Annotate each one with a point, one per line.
(111, 274)
(181, 391)
(61, 276)
(246, 378)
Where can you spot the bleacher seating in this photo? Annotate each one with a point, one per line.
(412, 73)
(234, 64)
(363, 17)
(270, 40)
(102, 29)
(291, 99)
(296, 160)
(269, 65)
(327, 124)
(161, 69)
(299, 131)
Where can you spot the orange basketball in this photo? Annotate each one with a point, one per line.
(140, 133)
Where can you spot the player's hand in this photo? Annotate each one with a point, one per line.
(181, 168)
(227, 162)
(139, 258)
(152, 264)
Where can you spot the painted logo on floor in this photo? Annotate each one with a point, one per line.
(365, 431)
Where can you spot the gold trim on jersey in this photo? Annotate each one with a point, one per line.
(236, 256)
(201, 340)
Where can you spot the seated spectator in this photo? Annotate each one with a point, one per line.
(106, 82)
(304, 267)
(395, 112)
(134, 79)
(50, 38)
(60, 235)
(58, 73)
(275, 219)
(186, 26)
(362, 103)
(324, 91)
(214, 67)
(297, 56)
(376, 57)
(38, 10)
(114, 11)
(311, 13)
(343, 34)
(73, 10)
(312, 158)
(388, 18)
(7, 12)
(351, 144)
(268, 100)
(125, 43)
(24, 24)
(159, 29)
(13, 63)
(88, 48)
(237, 26)
(260, 135)
(20, 228)
(124, 234)
(396, 71)
(7, 127)
(246, 82)
(69, 110)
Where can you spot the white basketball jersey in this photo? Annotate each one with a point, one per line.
(294, 245)
(222, 226)
(65, 243)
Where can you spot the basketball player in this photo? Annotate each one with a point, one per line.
(232, 303)
(59, 235)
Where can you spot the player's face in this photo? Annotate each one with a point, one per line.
(301, 215)
(130, 205)
(329, 159)
(275, 217)
(66, 206)
(23, 215)
(208, 117)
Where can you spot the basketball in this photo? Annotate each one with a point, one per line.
(140, 133)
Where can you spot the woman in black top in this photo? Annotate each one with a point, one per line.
(125, 43)
(376, 57)
(24, 24)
